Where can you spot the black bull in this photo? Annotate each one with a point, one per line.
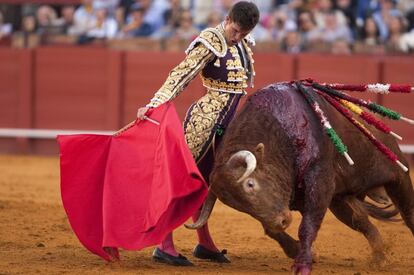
(275, 157)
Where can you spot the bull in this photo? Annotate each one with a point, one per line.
(275, 158)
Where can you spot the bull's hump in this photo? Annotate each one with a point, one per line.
(294, 116)
(286, 105)
(276, 98)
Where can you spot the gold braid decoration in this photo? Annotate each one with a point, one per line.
(182, 74)
(202, 118)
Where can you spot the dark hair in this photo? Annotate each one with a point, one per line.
(244, 13)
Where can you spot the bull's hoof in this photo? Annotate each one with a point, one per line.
(379, 260)
(301, 269)
(203, 253)
(160, 256)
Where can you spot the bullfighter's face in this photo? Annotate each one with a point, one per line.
(233, 33)
(255, 192)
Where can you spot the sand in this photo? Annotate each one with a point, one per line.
(35, 236)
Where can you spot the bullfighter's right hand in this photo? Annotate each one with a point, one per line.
(141, 112)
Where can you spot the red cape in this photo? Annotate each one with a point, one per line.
(129, 191)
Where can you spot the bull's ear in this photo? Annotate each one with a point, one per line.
(260, 151)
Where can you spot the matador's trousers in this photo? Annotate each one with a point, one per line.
(204, 126)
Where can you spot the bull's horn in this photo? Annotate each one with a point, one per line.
(248, 158)
(205, 211)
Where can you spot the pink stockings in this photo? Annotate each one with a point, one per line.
(204, 239)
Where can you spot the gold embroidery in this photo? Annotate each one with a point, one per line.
(202, 119)
(182, 74)
(213, 39)
(229, 87)
(217, 63)
(232, 64)
(216, 39)
(250, 55)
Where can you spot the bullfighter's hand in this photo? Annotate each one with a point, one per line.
(141, 112)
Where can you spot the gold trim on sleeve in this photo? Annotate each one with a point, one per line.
(182, 74)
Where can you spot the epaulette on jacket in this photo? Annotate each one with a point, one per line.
(213, 39)
(249, 39)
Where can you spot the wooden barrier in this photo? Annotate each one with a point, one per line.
(399, 70)
(72, 87)
(88, 88)
(16, 95)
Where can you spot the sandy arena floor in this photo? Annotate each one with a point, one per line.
(35, 236)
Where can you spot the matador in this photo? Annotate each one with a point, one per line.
(223, 58)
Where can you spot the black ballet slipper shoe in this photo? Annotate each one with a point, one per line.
(160, 256)
(203, 253)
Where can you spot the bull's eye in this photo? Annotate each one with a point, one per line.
(251, 186)
(250, 183)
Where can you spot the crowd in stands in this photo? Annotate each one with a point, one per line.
(293, 26)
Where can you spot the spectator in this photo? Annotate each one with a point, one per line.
(66, 21)
(407, 8)
(407, 42)
(26, 37)
(223, 6)
(369, 41)
(172, 16)
(308, 31)
(294, 7)
(325, 8)
(105, 27)
(109, 5)
(291, 43)
(120, 17)
(369, 34)
(186, 29)
(84, 19)
(136, 26)
(384, 15)
(334, 31)
(277, 24)
(214, 19)
(265, 7)
(29, 24)
(201, 9)
(396, 26)
(46, 19)
(125, 6)
(366, 8)
(153, 12)
(5, 28)
(348, 8)
(341, 47)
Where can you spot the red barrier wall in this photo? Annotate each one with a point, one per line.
(72, 88)
(99, 88)
(399, 70)
(271, 67)
(145, 72)
(16, 96)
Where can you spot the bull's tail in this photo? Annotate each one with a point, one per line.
(381, 213)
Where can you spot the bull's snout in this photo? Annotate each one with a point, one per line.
(283, 220)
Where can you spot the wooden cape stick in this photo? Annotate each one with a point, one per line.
(132, 123)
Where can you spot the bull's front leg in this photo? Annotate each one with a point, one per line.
(317, 196)
(308, 230)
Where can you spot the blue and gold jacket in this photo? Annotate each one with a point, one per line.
(222, 68)
(226, 71)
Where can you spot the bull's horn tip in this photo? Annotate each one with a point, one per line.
(190, 226)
